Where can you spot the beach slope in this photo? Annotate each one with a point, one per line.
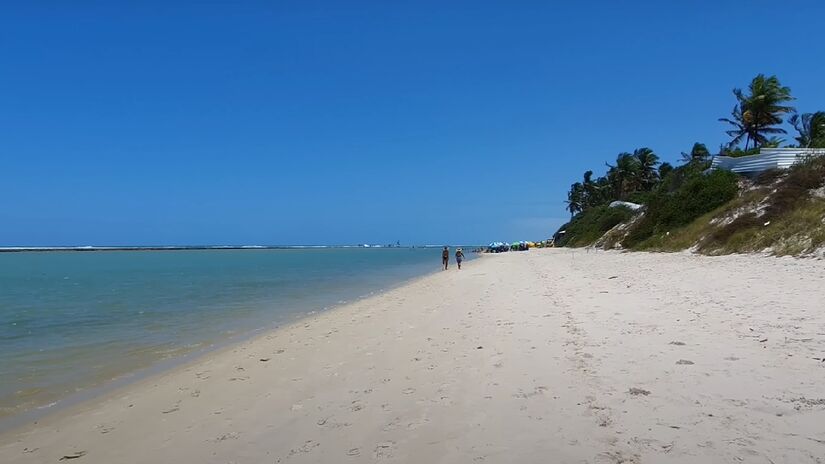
(541, 356)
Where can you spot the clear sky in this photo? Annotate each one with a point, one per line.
(350, 122)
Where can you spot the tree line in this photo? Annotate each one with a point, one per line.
(754, 123)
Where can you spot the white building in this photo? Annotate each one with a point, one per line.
(768, 158)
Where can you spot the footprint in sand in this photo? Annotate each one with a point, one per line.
(408, 391)
(74, 455)
(171, 410)
(354, 452)
(384, 450)
(307, 447)
(536, 391)
(617, 457)
(392, 425)
(104, 429)
(227, 436)
(684, 362)
(633, 391)
(330, 423)
(416, 424)
(356, 406)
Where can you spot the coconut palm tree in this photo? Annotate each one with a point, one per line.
(592, 191)
(698, 154)
(665, 169)
(648, 176)
(575, 199)
(811, 129)
(624, 177)
(757, 114)
(605, 189)
(741, 128)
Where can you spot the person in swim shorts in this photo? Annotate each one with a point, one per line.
(445, 257)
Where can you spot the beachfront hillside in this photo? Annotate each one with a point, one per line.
(642, 204)
(780, 211)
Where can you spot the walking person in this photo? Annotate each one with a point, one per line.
(445, 257)
(459, 257)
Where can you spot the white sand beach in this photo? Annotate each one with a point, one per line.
(559, 356)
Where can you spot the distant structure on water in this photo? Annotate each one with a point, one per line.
(389, 245)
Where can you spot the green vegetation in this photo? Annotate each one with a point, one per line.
(633, 173)
(585, 229)
(699, 155)
(778, 212)
(811, 129)
(790, 219)
(698, 194)
(682, 238)
(687, 206)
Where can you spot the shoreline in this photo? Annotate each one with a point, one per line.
(577, 357)
(19, 420)
(159, 367)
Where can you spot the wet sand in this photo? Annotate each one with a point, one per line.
(542, 356)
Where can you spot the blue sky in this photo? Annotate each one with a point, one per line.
(311, 122)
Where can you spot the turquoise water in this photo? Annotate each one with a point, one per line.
(74, 320)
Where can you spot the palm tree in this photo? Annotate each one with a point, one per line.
(602, 190)
(741, 128)
(811, 128)
(773, 142)
(648, 176)
(698, 154)
(591, 191)
(575, 199)
(758, 114)
(665, 169)
(625, 176)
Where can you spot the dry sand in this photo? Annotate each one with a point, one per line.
(546, 356)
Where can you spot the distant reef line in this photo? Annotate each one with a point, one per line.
(194, 247)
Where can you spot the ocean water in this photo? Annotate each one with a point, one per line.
(70, 321)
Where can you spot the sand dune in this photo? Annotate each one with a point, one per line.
(546, 356)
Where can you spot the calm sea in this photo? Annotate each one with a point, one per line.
(74, 320)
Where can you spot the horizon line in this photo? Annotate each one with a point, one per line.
(201, 247)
